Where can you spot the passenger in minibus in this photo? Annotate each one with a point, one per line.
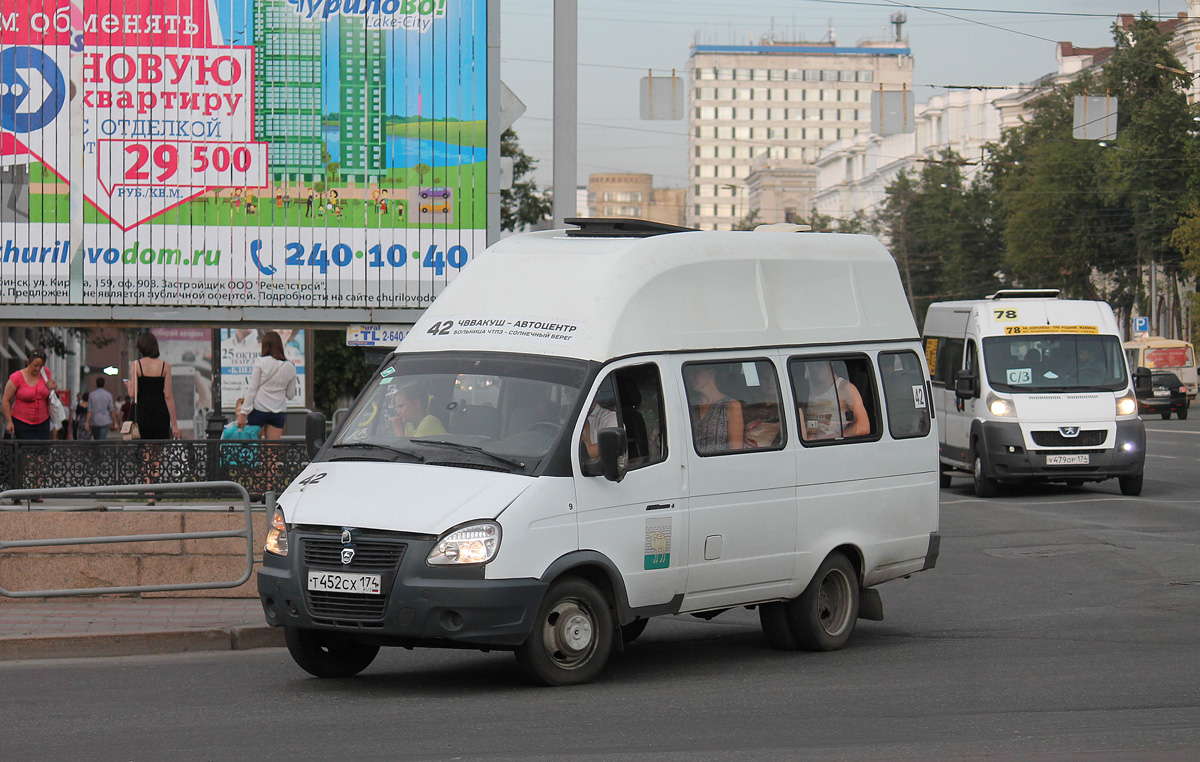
(717, 421)
(833, 408)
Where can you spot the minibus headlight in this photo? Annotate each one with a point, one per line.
(1126, 404)
(277, 540)
(1001, 408)
(472, 544)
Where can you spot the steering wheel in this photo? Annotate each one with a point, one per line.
(549, 428)
(374, 412)
(1095, 375)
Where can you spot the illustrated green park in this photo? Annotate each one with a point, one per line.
(391, 201)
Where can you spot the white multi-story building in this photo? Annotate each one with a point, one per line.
(782, 99)
(853, 175)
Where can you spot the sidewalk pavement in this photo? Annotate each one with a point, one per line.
(85, 627)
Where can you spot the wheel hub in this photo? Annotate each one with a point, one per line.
(569, 634)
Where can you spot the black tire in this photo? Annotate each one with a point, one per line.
(572, 636)
(1131, 485)
(328, 654)
(1166, 416)
(943, 478)
(630, 632)
(823, 617)
(1182, 413)
(984, 485)
(776, 625)
(1074, 482)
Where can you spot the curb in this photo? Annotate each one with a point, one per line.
(139, 643)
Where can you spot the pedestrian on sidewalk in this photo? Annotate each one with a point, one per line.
(272, 383)
(100, 411)
(150, 389)
(81, 414)
(27, 398)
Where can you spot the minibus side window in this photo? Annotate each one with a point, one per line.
(733, 406)
(836, 399)
(630, 398)
(904, 390)
(949, 362)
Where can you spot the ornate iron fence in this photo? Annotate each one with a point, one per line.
(259, 466)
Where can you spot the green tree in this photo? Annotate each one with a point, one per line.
(522, 204)
(1088, 217)
(941, 233)
(339, 371)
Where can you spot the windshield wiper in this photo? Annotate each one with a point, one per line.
(372, 446)
(473, 448)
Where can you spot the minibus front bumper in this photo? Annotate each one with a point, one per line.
(1002, 447)
(418, 604)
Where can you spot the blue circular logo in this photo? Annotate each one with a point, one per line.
(16, 64)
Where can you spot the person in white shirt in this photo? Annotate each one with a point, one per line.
(272, 383)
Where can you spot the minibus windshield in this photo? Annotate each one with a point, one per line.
(1055, 362)
(467, 409)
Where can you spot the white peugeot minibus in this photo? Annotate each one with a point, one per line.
(592, 427)
(1028, 386)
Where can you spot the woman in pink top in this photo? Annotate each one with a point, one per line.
(27, 399)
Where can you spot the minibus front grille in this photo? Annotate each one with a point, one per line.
(345, 605)
(1093, 438)
(374, 555)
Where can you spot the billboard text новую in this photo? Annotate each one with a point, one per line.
(242, 153)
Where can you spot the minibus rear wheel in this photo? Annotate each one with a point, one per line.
(328, 654)
(824, 615)
(572, 636)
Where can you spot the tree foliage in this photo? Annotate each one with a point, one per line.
(942, 233)
(523, 204)
(339, 371)
(1087, 216)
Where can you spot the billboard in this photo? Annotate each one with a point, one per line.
(240, 153)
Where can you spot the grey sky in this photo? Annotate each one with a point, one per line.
(619, 40)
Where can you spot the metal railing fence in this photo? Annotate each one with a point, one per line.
(246, 533)
(260, 466)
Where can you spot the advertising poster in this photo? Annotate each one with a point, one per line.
(241, 153)
(241, 347)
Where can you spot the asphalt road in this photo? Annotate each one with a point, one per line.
(1060, 625)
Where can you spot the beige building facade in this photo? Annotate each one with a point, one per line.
(632, 194)
(774, 106)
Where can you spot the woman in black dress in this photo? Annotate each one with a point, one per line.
(150, 390)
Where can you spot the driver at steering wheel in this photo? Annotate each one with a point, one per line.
(1088, 363)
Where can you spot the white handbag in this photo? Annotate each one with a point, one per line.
(58, 413)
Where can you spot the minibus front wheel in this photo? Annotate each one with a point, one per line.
(328, 654)
(571, 637)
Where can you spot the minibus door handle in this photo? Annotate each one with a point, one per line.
(660, 506)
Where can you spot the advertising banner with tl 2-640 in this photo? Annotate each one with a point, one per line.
(240, 153)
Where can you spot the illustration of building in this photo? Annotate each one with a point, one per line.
(363, 153)
(287, 89)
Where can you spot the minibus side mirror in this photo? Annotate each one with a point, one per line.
(966, 385)
(314, 432)
(614, 447)
(1141, 381)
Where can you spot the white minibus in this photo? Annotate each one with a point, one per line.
(1028, 386)
(592, 427)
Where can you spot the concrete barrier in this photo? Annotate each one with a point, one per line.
(141, 563)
